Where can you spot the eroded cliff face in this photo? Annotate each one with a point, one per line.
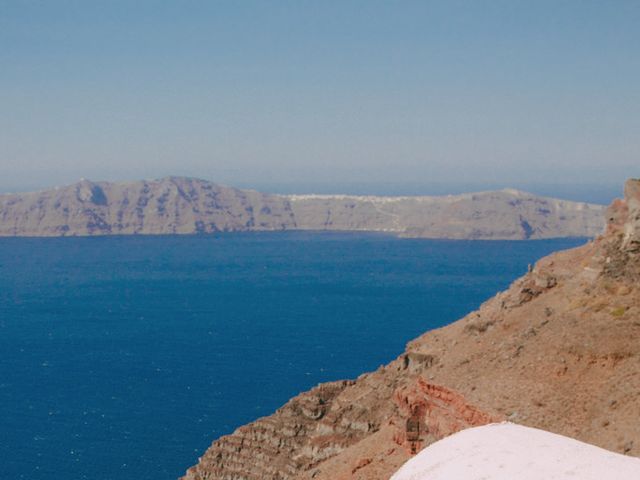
(559, 350)
(166, 206)
(505, 214)
(184, 205)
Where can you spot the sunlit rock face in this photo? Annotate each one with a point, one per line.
(623, 217)
(506, 214)
(621, 245)
(631, 241)
(171, 205)
(176, 205)
(506, 451)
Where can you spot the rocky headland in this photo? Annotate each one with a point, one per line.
(177, 205)
(558, 351)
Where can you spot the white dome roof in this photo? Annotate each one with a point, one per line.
(505, 451)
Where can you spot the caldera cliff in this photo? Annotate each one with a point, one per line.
(176, 205)
(559, 350)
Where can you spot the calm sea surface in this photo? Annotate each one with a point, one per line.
(124, 357)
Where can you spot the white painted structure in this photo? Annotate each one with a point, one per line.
(505, 451)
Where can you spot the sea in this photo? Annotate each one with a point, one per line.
(123, 358)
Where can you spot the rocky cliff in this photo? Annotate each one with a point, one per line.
(184, 205)
(559, 350)
(169, 205)
(505, 214)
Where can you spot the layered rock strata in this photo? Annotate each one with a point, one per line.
(183, 205)
(559, 351)
(505, 214)
(167, 206)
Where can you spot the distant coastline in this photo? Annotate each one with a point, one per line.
(178, 205)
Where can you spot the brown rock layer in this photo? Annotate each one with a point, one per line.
(559, 350)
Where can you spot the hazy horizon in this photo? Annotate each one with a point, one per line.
(600, 193)
(403, 98)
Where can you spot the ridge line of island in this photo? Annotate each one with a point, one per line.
(178, 205)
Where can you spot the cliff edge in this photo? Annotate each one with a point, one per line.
(559, 351)
(170, 205)
(176, 205)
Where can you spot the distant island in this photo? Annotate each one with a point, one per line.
(178, 205)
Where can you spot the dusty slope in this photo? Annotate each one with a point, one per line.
(559, 350)
(184, 205)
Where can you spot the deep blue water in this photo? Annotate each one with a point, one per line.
(124, 357)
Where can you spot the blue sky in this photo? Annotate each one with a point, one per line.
(327, 93)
